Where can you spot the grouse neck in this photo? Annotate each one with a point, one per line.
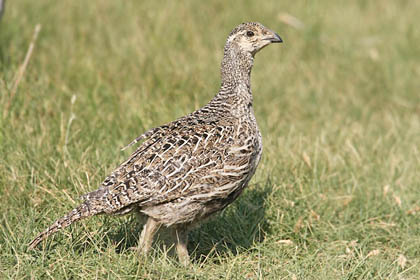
(236, 73)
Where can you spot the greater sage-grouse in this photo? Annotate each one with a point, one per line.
(188, 169)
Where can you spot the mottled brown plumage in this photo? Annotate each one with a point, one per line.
(190, 168)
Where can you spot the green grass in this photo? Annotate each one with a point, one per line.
(336, 196)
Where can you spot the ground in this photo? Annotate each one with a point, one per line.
(336, 195)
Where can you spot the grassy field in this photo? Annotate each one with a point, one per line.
(336, 195)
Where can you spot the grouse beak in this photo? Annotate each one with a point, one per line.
(273, 37)
(276, 39)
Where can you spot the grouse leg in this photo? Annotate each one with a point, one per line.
(147, 234)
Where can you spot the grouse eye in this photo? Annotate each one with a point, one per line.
(249, 33)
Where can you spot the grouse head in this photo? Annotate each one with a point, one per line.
(251, 37)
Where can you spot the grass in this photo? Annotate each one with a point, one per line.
(336, 196)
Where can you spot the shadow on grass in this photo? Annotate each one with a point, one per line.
(236, 229)
(232, 231)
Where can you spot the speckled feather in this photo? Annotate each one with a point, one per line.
(190, 168)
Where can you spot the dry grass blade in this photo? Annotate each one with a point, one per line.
(291, 20)
(23, 67)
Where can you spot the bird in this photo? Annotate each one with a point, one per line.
(189, 169)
